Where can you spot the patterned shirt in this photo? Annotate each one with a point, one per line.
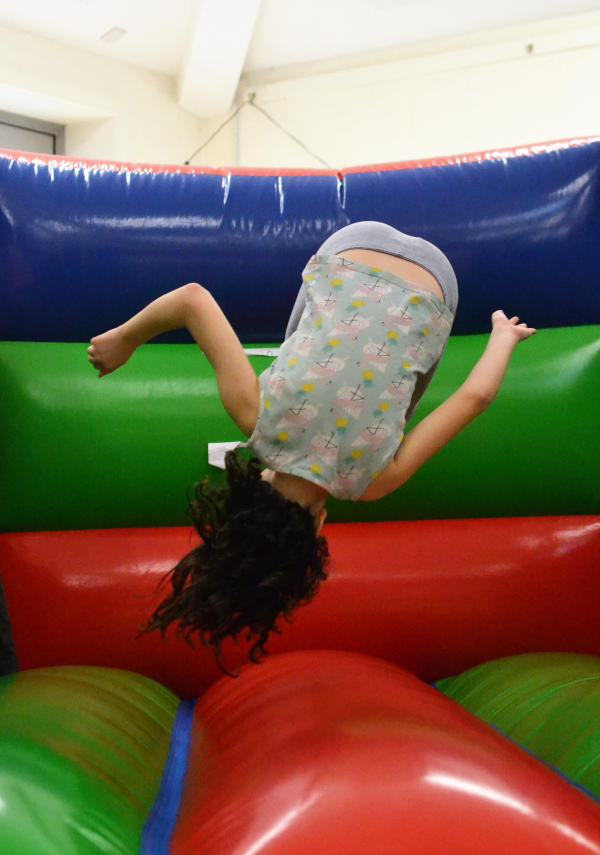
(333, 403)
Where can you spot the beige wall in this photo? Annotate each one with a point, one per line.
(455, 95)
(486, 91)
(111, 109)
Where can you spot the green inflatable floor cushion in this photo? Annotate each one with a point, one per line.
(547, 702)
(83, 751)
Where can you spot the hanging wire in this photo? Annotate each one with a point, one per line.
(218, 131)
(251, 101)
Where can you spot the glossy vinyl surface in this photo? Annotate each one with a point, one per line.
(82, 247)
(82, 250)
(123, 451)
(82, 753)
(547, 702)
(435, 596)
(338, 753)
(521, 232)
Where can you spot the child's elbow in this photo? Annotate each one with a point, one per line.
(477, 398)
(193, 299)
(192, 292)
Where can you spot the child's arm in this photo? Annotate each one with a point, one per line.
(447, 420)
(190, 306)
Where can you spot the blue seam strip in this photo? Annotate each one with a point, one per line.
(161, 820)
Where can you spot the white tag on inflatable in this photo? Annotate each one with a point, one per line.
(262, 351)
(218, 450)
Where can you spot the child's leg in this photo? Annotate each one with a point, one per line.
(296, 311)
(8, 651)
(423, 381)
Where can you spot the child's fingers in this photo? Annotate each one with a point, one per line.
(93, 359)
(521, 326)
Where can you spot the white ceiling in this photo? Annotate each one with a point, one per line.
(184, 38)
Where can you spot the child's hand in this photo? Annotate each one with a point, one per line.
(109, 351)
(510, 327)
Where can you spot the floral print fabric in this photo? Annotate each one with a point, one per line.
(333, 403)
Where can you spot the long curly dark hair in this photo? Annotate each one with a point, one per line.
(260, 558)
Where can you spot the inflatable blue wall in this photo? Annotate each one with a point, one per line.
(82, 248)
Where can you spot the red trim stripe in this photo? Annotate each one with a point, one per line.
(65, 162)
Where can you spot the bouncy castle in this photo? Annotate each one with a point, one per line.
(441, 694)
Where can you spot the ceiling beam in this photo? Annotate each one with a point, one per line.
(217, 46)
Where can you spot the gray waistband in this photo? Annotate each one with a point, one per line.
(370, 234)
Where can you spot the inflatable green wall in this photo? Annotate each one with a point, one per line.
(124, 450)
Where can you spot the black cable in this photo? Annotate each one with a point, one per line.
(213, 135)
(252, 103)
(250, 100)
